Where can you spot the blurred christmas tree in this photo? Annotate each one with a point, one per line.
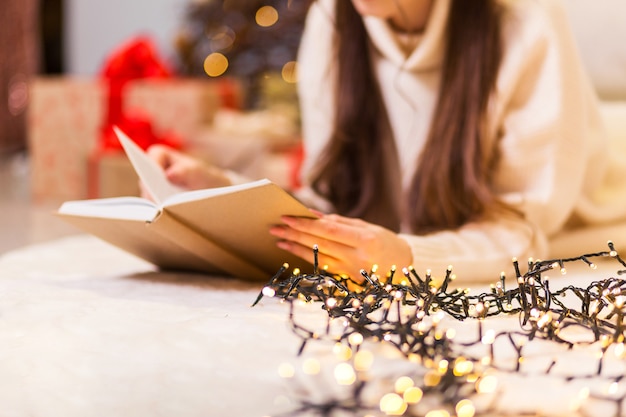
(255, 41)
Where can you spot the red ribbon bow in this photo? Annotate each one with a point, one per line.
(133, 60)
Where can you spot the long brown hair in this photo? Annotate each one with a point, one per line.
(452, 183)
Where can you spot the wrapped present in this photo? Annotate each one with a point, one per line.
(256, 144)
(71, 119)
(190, 102)
(64, 120)
(133, 60)
(110, 174)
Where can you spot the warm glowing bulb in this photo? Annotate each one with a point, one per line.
(215, 64)
(487, 384)
(403, 383)
(290, 72)
(545, 318)
(463, 367)
(311, 366)
(432, 379)
(392, 405)
(285, 370)
(465, 408)
(437, 413)
(355, 339)
(489, 337)
(344, 374)
(363, 360)
(342, 352)
(268, 291)
(413, 395)
(266, 16)
(438, 316)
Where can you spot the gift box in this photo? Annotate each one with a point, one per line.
(255, 144)
(181, 105)
(71, 140)
(110, 174)
(66, 119)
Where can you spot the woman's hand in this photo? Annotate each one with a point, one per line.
(345, 245)
(186, 171)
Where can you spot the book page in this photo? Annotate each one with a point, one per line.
(149, 171)
(238, 219)
(124, 208)
(189, 196)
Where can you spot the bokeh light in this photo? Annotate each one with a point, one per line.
(487, 384)
(392, 405)
(311, 366)
(215, 64)
(413, 395)
(344, 374)
(465, 408)
(266, 16)
(290, 72)
(403, 383)
(363, 360)
(286, 370)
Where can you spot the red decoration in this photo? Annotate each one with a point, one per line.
(133, 60)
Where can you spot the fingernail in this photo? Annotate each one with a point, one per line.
(317, 212)
(277, 231)
(288, 220)
(283, 245)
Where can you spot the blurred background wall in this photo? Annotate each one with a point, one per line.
(19, 61)
(600, 32)
(94, 27)
(72, 37)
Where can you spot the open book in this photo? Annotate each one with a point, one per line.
(221, 230)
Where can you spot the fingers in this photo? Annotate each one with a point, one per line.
(332, 228)
(325, 260)
(344, 244)
(179, 174)
(187, 171)
(161, 154)
(172, 163)
(334, 255)
(305, 252)
(307, 241)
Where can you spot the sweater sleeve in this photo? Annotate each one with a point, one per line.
(548, 147)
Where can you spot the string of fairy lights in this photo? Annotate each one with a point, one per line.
(405, 310)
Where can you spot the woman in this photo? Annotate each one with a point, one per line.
(440, 132)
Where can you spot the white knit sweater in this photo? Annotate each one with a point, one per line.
(553, 153)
